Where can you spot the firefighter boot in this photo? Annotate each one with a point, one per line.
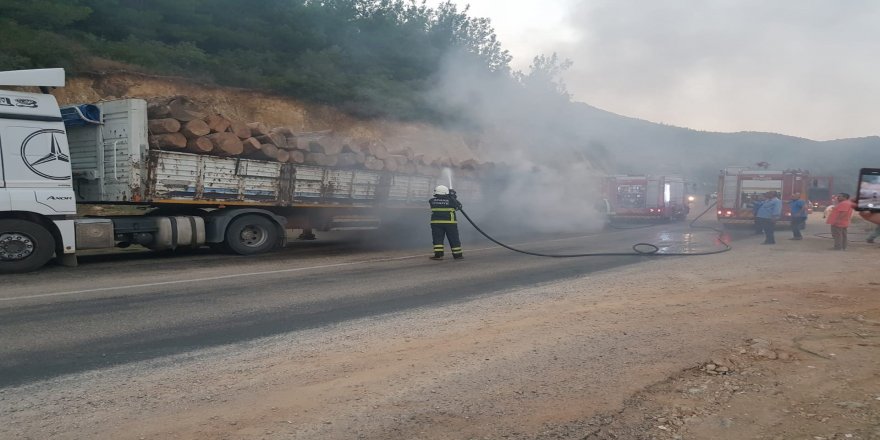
(438, 252)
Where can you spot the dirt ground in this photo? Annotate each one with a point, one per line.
(764, 342)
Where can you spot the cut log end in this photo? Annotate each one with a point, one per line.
(168, 141)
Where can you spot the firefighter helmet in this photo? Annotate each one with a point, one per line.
(441, 190)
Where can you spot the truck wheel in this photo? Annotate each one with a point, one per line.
(251, 234)
(24, 246)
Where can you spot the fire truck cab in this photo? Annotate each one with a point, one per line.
(646, 197)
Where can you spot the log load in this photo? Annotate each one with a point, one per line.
(178, 124)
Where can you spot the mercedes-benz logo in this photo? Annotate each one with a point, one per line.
(43, 155)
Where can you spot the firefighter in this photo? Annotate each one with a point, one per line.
(443, 222)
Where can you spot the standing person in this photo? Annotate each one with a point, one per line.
(443, 222)
(839, 218)
(873, 235)
(798, 209)
(767, 214)
(756, 205)
(708, 197)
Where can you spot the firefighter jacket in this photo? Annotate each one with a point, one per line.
(443, 209)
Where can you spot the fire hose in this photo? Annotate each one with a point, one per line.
(639, 249)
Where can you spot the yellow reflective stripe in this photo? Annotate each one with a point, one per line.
(456, 250)
(452, 222)
(443, 209)
(439, 247)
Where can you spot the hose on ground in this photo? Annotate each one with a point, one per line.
(639, 249)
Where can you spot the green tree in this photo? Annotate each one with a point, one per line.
(372, 57)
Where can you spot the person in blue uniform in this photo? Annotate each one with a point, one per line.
(798, 208)
(767, 215)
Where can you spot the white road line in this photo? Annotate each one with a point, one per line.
(268, 272)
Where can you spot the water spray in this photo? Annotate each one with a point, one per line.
(447, 173)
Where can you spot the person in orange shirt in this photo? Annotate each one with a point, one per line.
(839, 218)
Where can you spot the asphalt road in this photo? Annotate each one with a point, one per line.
(125, 307)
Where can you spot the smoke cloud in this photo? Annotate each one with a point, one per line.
(549, 174)
(804, 68)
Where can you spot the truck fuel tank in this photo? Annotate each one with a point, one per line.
(180, 231)
(159, 233)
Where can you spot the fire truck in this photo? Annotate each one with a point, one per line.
(819, 191)
(646, 197)
(740, 187)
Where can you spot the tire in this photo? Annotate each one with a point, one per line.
(24, 246)
(251, 234)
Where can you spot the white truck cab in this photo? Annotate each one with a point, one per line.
(37, 201)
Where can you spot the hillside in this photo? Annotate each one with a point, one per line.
(633, 142)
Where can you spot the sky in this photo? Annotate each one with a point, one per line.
(804, 68)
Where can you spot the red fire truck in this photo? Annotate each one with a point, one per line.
(819, 191)
(740, 187)
(646, 197)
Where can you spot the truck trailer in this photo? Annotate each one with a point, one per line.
(646, 197)
(739, 188)
(51, 161)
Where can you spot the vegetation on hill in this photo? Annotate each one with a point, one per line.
(369, 57)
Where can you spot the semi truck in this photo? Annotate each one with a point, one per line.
(646, 197)
(51, 161)
(739, 188)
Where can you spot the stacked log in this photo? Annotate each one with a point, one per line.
(195, 129)
(199, 145)
(178, 124)
(164, 125)
(226, 144)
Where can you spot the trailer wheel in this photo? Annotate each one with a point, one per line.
(24, 246)
(251, 234)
